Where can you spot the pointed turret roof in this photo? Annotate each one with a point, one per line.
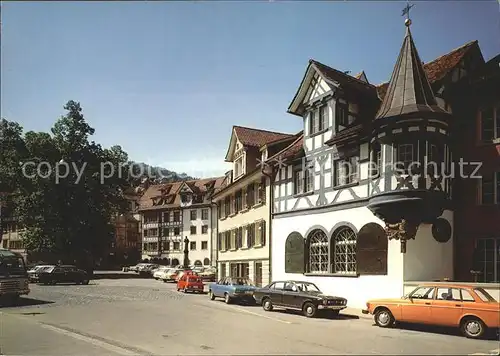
(409, 91)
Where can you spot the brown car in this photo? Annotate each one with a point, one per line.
(471, 309)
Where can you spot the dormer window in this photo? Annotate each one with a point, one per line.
(186, 198)
(238, 167)
(318, 119)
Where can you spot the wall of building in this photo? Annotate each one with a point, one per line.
(255, 254)
(426, 259)
(357, 289)
(197, 254)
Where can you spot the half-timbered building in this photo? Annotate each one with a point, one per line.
(363, 199)
(172, 212)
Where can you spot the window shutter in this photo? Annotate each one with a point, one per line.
(263, 232)
(294, 253)
(244, 198)
(371, 250)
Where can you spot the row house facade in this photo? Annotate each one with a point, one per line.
(244, 210)
(477, 102)
(365, 199)
(171, 212)
(126, 246)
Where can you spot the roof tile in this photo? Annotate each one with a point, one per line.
(256, 138)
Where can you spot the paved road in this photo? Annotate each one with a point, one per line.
(140, 316)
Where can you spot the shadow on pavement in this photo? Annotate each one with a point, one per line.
(490, 335)
(321, 314)
(25, 302)
(118, 275)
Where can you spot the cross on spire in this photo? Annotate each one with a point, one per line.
(406, 10)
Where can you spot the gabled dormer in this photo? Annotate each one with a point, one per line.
(186, 194)
(329, 101)
(244, 150)
(236, 154)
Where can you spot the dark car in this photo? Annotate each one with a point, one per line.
(304, 296)
(62, 274)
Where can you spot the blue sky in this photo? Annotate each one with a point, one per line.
(167, 80)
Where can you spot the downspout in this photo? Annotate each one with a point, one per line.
(271, 205)
(216, 231)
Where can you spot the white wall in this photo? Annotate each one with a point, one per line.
(426, 259)
(198, 253)
(357, 290)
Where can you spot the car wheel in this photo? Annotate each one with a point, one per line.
(472, 328)
(184, 290)
(267, 304)
(164, 281)
(309, 309)
(85, 282)
(211, 295)
(384, 318)
(53, 282)
(227, 298)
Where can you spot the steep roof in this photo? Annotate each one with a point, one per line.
(290, 152)
(168, 194)
(439, 67)
(344, 80)
(409, 90)
(256, 137)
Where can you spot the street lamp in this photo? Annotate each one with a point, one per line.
(186, 252)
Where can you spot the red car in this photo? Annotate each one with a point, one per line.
(190, 283)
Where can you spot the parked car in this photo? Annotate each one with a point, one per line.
(62, 274)
(183, 272)
(297, 295)
(171, 275)
(190, 283)
(157, 272)
(471, 309)
(33, 272)
(232, 289)
(208, 274)
(146, 270)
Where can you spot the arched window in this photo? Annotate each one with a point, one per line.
(197, 263)
(371, 250)
(206, 262)
(344, 250)
(294, 253)
(175, 262)
(317, 246)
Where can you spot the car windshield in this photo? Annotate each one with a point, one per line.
(307, 287)
(11, 265)
(242, 282)
(484, 295)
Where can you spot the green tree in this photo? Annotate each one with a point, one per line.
(68, 208)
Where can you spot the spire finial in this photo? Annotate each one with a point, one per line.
(406, 11)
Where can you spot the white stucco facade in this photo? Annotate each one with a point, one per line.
(425, 259)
